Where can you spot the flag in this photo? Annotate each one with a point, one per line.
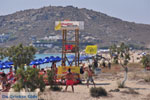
(91, 49)
(58, 27)
(68, 47)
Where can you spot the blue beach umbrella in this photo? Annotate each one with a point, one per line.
(5, 66)
(9, 62)
(32, 63)
(58, 59)
(1, 66)
(46, 60)
(40, 61)
(51, 57)
(36, 62)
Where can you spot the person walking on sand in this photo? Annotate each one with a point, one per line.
(69, 78)
(90, 76)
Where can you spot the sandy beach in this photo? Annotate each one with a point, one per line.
(136, 88)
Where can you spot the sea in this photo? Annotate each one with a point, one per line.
(42, 56)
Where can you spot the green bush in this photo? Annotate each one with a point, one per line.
(29, 80)
(96, 92)
(51, 75)
(17, 87)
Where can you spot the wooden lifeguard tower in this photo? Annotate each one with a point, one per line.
(70, 46)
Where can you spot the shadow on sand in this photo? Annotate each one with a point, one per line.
(96, 83)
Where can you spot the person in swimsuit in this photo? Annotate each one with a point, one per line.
(69, 78)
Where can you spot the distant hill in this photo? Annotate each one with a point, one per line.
(100, 28)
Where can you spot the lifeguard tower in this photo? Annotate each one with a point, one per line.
(70, 46)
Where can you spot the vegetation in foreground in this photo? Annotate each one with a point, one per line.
(97, 92)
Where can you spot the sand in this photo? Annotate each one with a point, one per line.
(136, 88)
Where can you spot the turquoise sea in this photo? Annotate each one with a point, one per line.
(37, 56)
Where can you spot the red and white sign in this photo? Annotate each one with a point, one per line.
(70, 25)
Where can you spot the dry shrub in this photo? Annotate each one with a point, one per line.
(97, 92)
(56, 88)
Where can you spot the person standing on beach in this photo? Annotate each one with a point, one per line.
(104, 65)
(54, 70)
(109, 65)
(95, 62)
(82, 68)
(90, 76)
(69, 78)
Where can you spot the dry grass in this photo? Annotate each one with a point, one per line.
(134, 67)
(114, 69)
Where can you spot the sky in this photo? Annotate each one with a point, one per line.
(129, 10)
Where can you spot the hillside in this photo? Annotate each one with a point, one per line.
(100, 28)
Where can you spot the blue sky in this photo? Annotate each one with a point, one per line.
(130, 10)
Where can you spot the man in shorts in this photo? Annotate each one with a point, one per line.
(90, 76)
(69, 80)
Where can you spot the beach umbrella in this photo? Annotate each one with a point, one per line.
(9, 62)
(36, 62)
(51, 57)
(40, 61)
(5, 66)
(1, 66)
(46, 60)
(58, 59)
(32, 63)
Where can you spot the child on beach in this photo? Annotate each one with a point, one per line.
(70, 79)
